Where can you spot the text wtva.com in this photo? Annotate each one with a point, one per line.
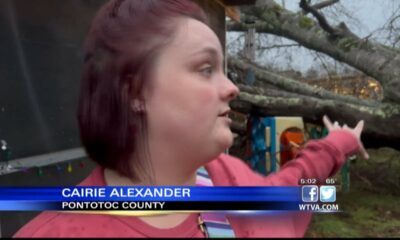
(319, 207)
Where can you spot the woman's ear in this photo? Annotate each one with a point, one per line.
(134, 91)
(137, 105)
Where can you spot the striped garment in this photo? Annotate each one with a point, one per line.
(213, 224)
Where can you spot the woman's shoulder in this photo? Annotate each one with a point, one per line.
(95, 178)
(64, 224)
(54, 224)
(47, 224)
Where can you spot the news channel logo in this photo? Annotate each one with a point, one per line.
(326, 193)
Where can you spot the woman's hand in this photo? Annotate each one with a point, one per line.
(355, 131)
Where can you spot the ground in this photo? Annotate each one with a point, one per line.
(371, 208)
(364, 214)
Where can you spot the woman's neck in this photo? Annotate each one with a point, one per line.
(164, 221)
(113, 178)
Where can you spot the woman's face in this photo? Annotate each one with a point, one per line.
(188, 97)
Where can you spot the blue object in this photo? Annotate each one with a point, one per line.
(250, 77)
(309, 193)
(327, 194)
(271, 123)
(258, 148)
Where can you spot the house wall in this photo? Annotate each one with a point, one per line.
(216, 14)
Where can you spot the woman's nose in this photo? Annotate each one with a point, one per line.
(230, 90)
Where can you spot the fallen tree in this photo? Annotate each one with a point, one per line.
(276, 95)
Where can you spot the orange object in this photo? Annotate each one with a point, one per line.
(291, 142)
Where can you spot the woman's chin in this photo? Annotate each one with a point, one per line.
(225, 141)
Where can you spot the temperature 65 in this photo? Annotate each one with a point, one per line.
(331, 181)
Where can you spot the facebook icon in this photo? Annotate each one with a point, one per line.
(309, 193)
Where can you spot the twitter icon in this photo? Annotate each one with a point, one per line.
(327, 193)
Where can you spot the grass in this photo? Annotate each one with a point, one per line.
(365, 214)
(372, 206)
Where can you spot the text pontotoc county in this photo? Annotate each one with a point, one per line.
(113, 205)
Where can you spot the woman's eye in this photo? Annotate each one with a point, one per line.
(207, 71)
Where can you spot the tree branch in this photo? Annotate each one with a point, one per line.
(294, 86)
(381, 120)
(321, 19)
(324, 4)
(279, 46)
(374, 59)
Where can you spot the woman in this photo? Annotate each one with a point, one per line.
(153, 110)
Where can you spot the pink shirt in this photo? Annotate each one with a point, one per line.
(319, 159)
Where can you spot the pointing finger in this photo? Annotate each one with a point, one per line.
(327, 123)
(336, 124)
(364, 152)
(359, 127)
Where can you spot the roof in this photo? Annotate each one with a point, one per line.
(238, 2)
(231, 9)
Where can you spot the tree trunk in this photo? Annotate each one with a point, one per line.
(289, 97)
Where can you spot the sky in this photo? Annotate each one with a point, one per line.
(368, 16)
(371, 13)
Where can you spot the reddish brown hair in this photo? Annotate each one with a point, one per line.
(123, 42)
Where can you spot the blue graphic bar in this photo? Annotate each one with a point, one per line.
(29, 205)
(247, 194)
